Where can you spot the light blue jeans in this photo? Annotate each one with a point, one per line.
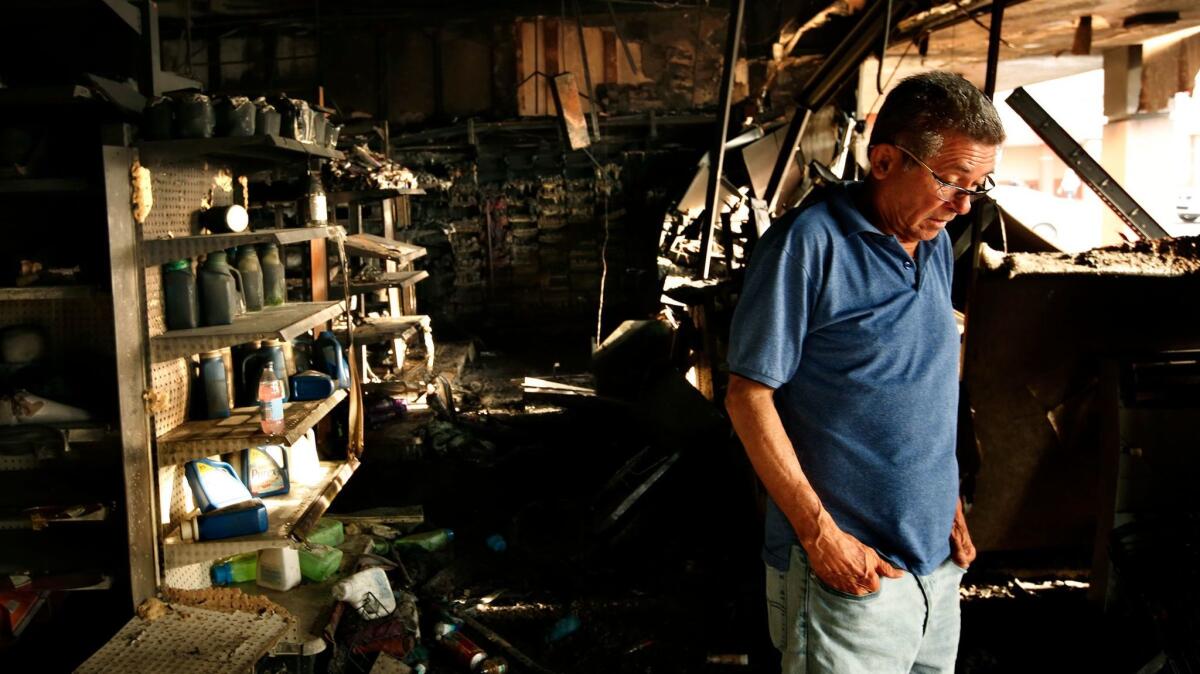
(910, 625)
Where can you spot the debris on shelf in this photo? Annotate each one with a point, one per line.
(225, 600)
(1161, 257)
(363, 169)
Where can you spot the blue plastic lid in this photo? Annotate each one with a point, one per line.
(222, 574)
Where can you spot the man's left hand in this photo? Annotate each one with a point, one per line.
(962, 550)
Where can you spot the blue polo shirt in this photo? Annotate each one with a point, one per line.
(861, 346)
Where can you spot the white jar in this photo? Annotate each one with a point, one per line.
(279, 568)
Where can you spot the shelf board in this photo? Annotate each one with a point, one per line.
(370, 245)
(282, 322)
(205, 437)
(43, 186)
(395, 279)
(255, 148)
(189, 640)
(356, 196)
(375, 330)
(290, 515)
(46, 293)
(161, 251)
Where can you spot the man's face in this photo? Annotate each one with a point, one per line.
(908, 201)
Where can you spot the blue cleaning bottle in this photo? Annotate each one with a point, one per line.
(243, 519)
(215, 484)
(331, 359)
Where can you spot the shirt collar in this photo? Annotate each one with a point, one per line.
(846, 212)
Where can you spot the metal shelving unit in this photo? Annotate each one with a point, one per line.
(283, 322)
(205, 437)
(290, 517)
(161, 251)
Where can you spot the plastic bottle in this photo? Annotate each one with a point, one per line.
(215, 484)
(252, 277)
(369, 592)
(312, 385)
(430, 541)
(216, 388)
(496, 543)
(264, 470)
(274, 282)
(331, 359)
(243, 519)
(270, 402)
(236, 569)
(327, 532)
(219, 298)
(279, 568)
(181, 303)
(319, 562)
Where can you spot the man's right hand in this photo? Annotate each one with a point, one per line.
(844, 563)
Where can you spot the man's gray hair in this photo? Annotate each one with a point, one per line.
(922, 108)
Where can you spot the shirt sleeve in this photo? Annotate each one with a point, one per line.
(772, 315)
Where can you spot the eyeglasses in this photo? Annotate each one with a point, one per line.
(948, 191)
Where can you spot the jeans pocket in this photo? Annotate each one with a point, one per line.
(828, 589)
(777, 607)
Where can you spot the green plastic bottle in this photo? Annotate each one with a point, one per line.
(236, 569)
(430, 541)
(327, 532)
(319, 562)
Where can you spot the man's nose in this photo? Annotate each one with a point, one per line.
(961, 203)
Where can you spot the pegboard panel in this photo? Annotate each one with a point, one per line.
(171, 380)
(196, 576)
(181, 191)
(156, 323)
(82, 324)
(187, 640)
(175, 500)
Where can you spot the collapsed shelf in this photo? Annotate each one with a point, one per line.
(370, 245)
(205, 437)
(393, 279)
(282, 322)
(161, 251)
(290, 516)
(374, 330)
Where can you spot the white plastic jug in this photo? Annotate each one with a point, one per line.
(279, 568)
(368, 591)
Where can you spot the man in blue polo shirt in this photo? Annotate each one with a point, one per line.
(843, 388)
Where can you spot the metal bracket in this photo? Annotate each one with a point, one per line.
(1087, 168)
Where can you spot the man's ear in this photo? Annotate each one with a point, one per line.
(884, 159)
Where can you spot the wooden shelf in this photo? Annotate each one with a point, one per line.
(161, 251)
(394, 279)
(375, 330)
(276, 149)
(46, 293)
(205, 437)
(370, 245)
(282, 322)
(290, 515)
